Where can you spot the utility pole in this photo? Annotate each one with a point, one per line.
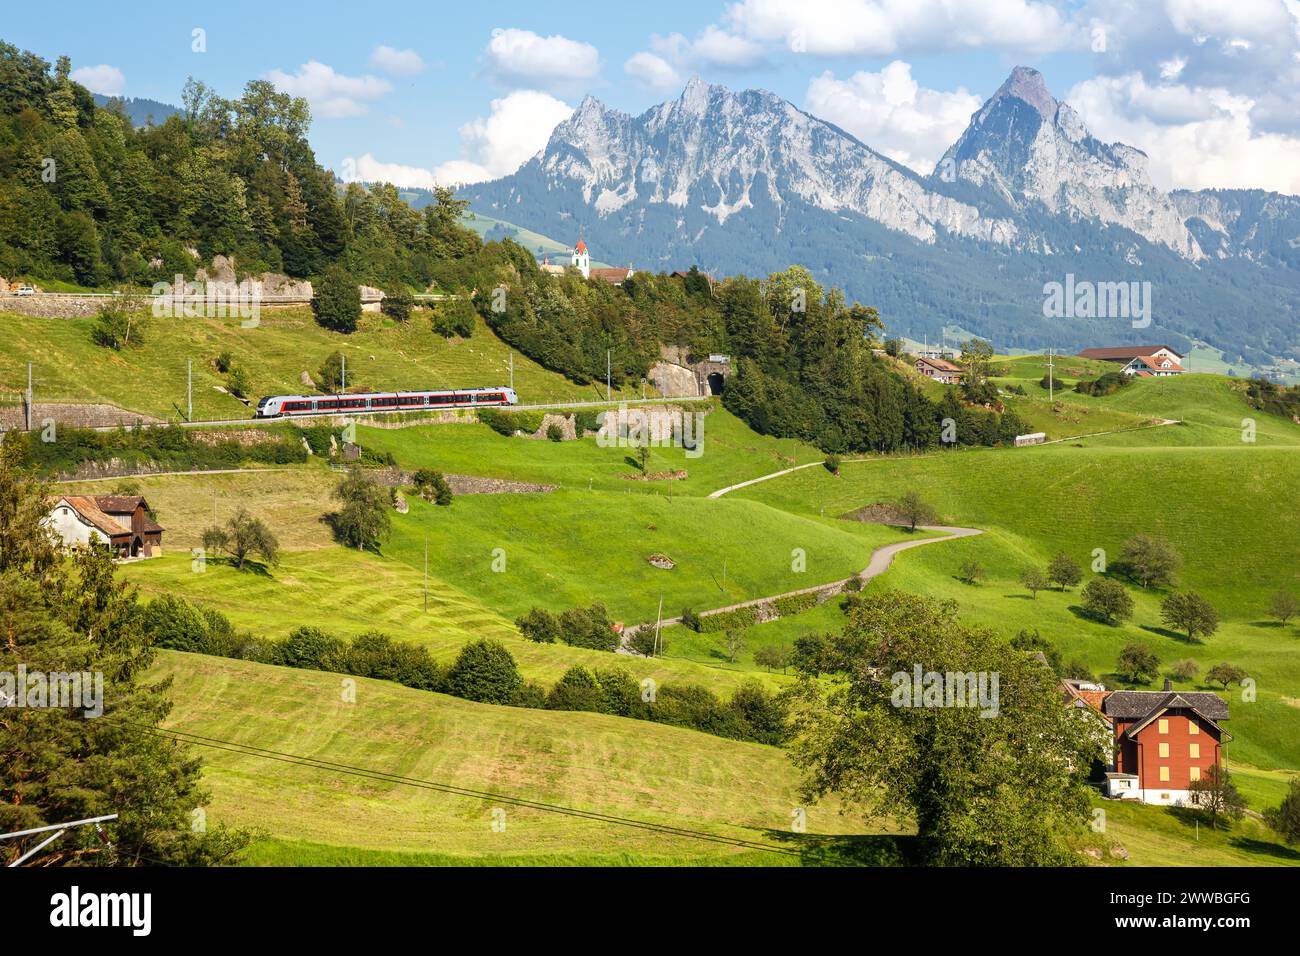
(654, 650)
(59, 828)
(724, 575)
(1051, 375)
(426, 574)
(608, 366)
(29, 396)
(189, 389)
(343, 376)
(512, 370)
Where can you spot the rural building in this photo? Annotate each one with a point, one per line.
(580, 259)
(940, 370)
(1150, 355)
(1160, 741)
(1153, 366)
(1033, 438)
(121, 522)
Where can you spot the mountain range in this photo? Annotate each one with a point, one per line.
(745, 182)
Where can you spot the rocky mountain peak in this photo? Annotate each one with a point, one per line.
(1026, 83)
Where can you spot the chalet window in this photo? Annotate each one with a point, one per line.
(1194, 751)
(1162, 726)
(1164, 750)
(1193, 728)
(1164, 774)
(1196, 773)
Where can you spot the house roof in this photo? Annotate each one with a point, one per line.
(118, 504)
(1111, 354)
(90, 512)
(941, 364)
(580, 247)
(611, 275)
(1157, 362)
(1142, 706)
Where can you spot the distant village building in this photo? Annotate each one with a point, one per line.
(580, 259)
(1033, 438)
(941, 370)
(120, 522)
(1146, 361)
(1160, 742)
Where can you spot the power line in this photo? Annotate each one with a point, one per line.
(316, 763)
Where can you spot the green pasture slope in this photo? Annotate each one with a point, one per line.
(151, 378)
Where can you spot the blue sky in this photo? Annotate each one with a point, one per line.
(417, 93)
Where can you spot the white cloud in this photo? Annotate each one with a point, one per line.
(1260, 19)
(103, 79)
(882, 27)
(1211, 146)
(715, 47)
(652, 72)
(330, 94)
(554, 62)
(892, 113)
(516, 129)
(396, 62)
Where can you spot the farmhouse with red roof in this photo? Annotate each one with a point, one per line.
(120, 522)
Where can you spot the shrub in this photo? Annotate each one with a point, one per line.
(690, 620)
(312, 648)
(620, 694)
(740, 618)
(173, 622)
(1185, 670)
(118, 325)
(432, 486)
(485, 672)
(530, 694)
(554, 432)
(539, 625)
(762, 711)
(397, 303)
(1107, 601)
(577, 689)
(336, 302)
(1107, 384)
(588, 627)
(832, 464)
(1137, 664)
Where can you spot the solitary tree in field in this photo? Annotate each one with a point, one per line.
(1107, 600)
(1137, 664)
(1150, 561)
(1064, 571)
(336, 301)
(971, 571)
(1217, 796)
(1284, 819)
(1191, 614)
(363, 521)
(1284, 605)
(1225, 674)
(733, 644)
(243, 535)
(1034, 580)
(774, 655)
(915, 511)
(330, 375)
(1185, 670)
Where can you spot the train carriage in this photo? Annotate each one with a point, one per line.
(288, 406)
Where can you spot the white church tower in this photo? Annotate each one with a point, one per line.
(581, 259)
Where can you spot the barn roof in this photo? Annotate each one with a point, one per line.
(942, 364)
(1145, 706)
(1111, 354)
(88, 508)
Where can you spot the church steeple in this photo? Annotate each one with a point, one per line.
(581, 259)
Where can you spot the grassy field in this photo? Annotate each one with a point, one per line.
(633, 769)
(382, 354)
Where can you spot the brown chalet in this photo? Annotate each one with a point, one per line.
(121, 522)
(941, 370)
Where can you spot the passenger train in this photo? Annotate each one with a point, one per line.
(287, 406)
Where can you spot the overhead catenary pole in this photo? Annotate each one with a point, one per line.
(343, 375)
(426, 574)
(512, 369)
(1051, 375)
(29, 396)
(654, 650)
(608, 366)
(189, 389)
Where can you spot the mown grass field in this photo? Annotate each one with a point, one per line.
(633, 769)
(381, 354)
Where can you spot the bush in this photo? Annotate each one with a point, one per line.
(1137, 664)
(432, 486)
(832, 464)
(1107, 601)
(554, 432)
(118, 325)
(312, 648)
(620, 694)
(173, 622)
(588, 627)
(1107, 384)
(397, 303)
(762, 712)
(530, 694)
(539, 625)
(690, 620)
(485, 672)
(336, 303)
(452, 319)
(577, 689)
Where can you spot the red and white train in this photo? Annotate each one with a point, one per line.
(287, 406)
